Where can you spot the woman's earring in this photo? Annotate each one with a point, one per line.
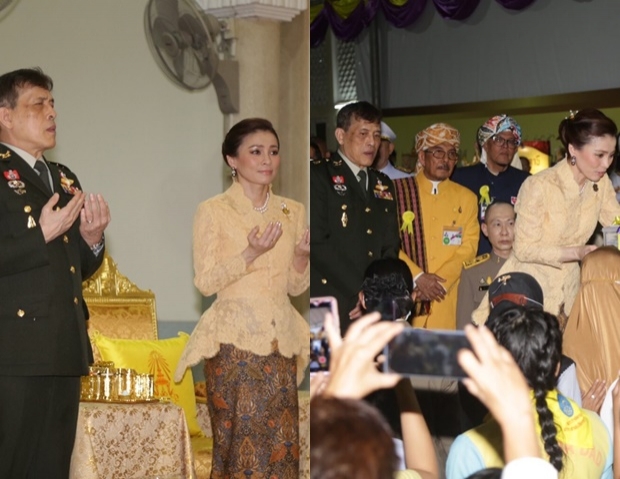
(233, 172)
(573, 160)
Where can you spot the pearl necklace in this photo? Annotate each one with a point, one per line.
(262, 209)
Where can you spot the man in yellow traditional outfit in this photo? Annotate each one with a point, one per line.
(438, 226)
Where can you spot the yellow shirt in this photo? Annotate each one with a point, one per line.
(252, 306)
(454, 207)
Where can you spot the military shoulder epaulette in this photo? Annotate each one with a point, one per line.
(477, 260)
(59, 165)
(381, 175)
(404, 170)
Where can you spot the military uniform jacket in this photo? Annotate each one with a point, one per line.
(348, 230)
(42, 324)
(476, 277)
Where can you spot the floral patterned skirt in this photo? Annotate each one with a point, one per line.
(253, 405)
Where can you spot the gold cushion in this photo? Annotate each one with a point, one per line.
(157, 357)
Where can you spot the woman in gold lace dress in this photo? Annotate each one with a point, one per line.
(251, 247)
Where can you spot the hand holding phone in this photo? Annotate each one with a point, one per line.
(426, 352)
(353, 372)
(319, 345)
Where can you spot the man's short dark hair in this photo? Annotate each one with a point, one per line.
(360, 110)
(12, 82)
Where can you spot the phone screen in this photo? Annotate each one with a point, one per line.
(425, 352)
(319, 346)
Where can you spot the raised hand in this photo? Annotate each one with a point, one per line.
(94, 218)
(259, 244)
(56, 221)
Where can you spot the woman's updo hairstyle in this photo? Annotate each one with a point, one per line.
(579, 128)
(239, 131)
(534, 340)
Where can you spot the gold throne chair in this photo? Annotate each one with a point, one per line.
(117, 307)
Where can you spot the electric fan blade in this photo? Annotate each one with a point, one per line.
(168, 9)
(179, 66)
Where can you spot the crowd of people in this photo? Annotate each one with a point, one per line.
(492, 250)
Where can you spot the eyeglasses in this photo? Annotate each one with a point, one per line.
(441, 154)
(503, 142)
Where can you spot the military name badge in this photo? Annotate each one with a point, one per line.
(452, 236)
(382, 192)
(67, 184)
(339, 185)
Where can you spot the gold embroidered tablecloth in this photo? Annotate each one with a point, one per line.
(123, 441)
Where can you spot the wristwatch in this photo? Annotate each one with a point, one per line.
(98, 247)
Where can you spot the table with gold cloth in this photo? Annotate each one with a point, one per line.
(123, 441)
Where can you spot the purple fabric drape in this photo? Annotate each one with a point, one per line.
(456, 9)
(404, 16)
(515, 4)
(348, 29)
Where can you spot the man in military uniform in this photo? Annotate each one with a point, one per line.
(51, 238)
(477, 275)
(386, 155)
(352, 210)
(498, 175)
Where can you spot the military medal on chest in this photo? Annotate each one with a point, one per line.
(339, 186)
(14, 181)
(381, 191)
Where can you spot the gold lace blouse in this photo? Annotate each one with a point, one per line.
(252, 306)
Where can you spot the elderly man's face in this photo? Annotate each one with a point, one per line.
(360, 141)
(31, 124)
(501, 148)
(438, 162)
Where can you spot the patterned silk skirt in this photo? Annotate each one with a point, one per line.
(253, 405)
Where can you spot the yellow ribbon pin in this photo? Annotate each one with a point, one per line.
(616, 221)
(485, 199)
(408, 217)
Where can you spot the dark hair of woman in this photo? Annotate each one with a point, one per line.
(579, 128)
(386, 279)
(534, 339)
(239, 131)
(350, 440)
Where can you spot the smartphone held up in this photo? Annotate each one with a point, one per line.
(421, 352)
(319, 346)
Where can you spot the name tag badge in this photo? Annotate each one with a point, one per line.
(483, 211)
(452, 236)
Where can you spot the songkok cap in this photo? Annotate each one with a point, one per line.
(498, 124)
(436, 134)
(387, 133)
(514, 289)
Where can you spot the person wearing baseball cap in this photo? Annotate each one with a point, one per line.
(505, 292)
(498, 175)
